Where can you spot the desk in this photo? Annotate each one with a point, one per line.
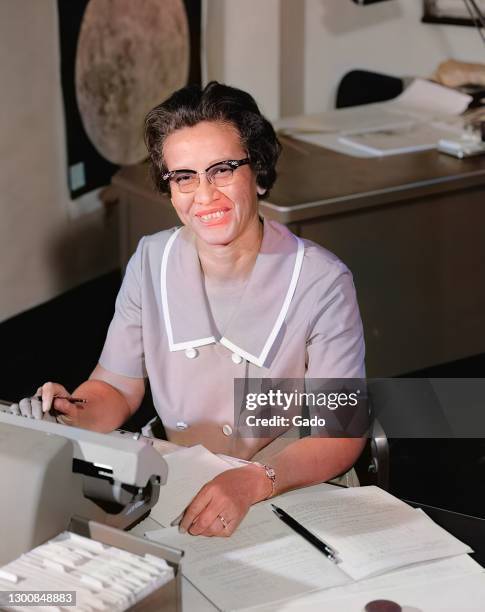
(471, 530)
(468, 529)
(410, 227)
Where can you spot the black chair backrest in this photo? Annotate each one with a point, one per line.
(364, 87)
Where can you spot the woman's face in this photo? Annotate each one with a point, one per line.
(217, 215)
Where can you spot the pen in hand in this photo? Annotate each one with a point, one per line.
(77, 401)
(72, 400)
(322, 546)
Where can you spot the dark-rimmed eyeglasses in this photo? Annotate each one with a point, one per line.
(220, 175)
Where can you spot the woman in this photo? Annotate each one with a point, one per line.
(226, 296)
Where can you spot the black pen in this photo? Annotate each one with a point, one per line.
(327, 550)
(71, 400)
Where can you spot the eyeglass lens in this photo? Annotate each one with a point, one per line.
(220, 176)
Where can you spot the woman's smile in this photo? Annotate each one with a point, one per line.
(222, 215)
(214, 216)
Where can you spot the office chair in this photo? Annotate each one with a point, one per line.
(372, 466)
(363, 87)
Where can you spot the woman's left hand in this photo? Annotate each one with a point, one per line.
(222, 503)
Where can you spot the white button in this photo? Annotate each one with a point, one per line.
(236, 358)
(191, 353)
(227, 430)
(181, 425)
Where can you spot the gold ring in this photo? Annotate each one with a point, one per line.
(223, 520)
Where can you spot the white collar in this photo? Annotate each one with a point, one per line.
(255, 325)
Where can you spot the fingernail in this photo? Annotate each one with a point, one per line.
(182, 529)
(176, 521)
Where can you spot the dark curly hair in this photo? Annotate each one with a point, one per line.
(216, 102)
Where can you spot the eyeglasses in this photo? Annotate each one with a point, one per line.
(220, 175)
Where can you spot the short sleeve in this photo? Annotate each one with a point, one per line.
(335, 338)
(123, 351)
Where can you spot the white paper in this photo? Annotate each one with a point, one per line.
(432, 586)
(305, 127)
(189, 469)
(372, 531)
(421, 103)
(263, 561)
(403, 139)
(425, 96)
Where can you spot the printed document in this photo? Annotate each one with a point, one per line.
(434, 586)
(265, 561)
(371, 530)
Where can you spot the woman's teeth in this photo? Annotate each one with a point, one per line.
(214, 215)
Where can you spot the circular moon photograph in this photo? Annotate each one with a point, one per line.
(131, 55)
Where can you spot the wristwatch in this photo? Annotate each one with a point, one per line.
(271, 474)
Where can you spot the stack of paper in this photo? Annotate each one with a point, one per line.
(264, 561)
(445, 585)
(189, 469)
(414, 121)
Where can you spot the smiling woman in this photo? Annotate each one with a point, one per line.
(219, 203)
(226, 296)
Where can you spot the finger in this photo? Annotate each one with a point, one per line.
(217, 528)
(197, 505)
(48, 392)
(14, 409)
(25, 407)
(215, 508)
(63, 419)
(47, 416)
(36, 406)
(65, 411)
(206, 520)
(177, 521)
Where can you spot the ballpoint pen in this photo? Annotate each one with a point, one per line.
(72, 400)
(322, 546)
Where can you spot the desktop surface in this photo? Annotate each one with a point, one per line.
(314, 181)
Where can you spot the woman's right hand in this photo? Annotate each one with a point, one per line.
(65, 411)
(39, 405)
(33, 407)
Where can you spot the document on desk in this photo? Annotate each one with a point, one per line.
(430, 586)
(189, 469)
(402, 139)
(413, 121)
(372, 531)
(263, 561)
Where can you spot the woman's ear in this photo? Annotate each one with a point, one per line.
(261, 190)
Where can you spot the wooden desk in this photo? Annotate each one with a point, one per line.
(410, 227)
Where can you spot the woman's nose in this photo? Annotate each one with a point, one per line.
(205, 191)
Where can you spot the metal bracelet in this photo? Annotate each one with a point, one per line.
(271, 474)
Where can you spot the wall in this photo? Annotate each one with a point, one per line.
(242, 41)
(43, 250)
(387, 37)
(290, 54)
